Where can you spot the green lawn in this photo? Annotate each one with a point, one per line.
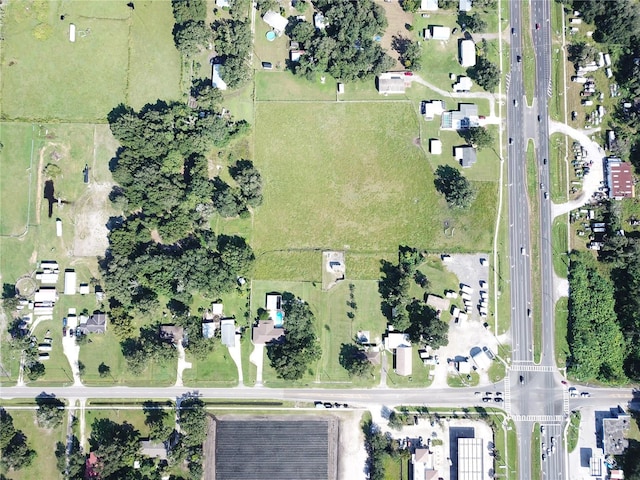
(457, 380)
(536, 454)
(154, 63)
(18, 167)
(573, 432)
(217, 370)
(561, 343)
(395, 468)
(357, 183)
(120, 55)
(134, 417)
(76, 81)
(57, 368)
(528, 55)
(630, 209)
(106, 349)
(559, 233)
(43, 441)
(497, 370)
(558, 168)
(283, 85)
(534, 197)
(333, 327)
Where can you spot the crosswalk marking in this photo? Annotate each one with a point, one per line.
(546, 419)
(530, 367)
(507, 395)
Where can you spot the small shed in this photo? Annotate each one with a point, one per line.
(340, 87)
(435, 146)
(70, 279)
(58, 227)
(72, 32)
(429, 5)
(319, 21)
(466, 155)
(275, 21)
(228, 332)
(84, 289)
(463, 84)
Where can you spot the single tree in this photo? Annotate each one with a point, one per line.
(456, 189)
(479, 137)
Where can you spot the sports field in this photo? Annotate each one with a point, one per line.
(119, 55)
(350, 176)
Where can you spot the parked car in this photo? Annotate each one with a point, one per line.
(585, 394)
(498, 399)
(486, 399)
(64, 331)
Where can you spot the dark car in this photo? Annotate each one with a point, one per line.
(498, 400)
(519, 58)
(513, 31)
(537, 26)
(328, 405)
(521, 380)
(64, 331)
(544, 161)
(71, 332)
(486, 399)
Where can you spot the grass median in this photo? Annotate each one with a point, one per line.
(535, 451)
(528, 54)
(534, 216)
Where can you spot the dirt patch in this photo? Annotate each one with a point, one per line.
(93, 212)
(352, 456)
(397, 19)
(155, 236)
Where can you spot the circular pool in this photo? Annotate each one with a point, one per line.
(271, 36)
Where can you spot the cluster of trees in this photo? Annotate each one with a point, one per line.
(193, 427)
(581, 53)
(147, 348)
(406, 313)
(233, 201)
(457, 190)
(71, 464)
(164, 246)
(232, 39)
(474, 22)
(379, 447)
(616, 22)
(353, 360)
(485, 73)
(14, 450)
(596, 343)
(479, 137)
(346, 49)
(410, 52)
(293, 357)
(190, 32)
(50, 411)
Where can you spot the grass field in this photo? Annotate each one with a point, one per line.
(357, 183)
(534, 197)
(43, 441)
(395, 468)
(217, 370)
(457, 380)
(558, 168)
(18, 176)
(57, 368)
(573, 432)
(559, 233)
(419, 376)
(536, 454)
(120, 55)
(106, 348)
(561, 343)
(135, 418)
(528, 55)
(333, 327)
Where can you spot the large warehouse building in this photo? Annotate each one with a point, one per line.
(272, 448)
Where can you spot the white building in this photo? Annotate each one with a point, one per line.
(70, 280)
(216, 79)
(435, 146)
(467, 53)
(275, 21)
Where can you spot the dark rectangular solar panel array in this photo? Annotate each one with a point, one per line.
(272, 450)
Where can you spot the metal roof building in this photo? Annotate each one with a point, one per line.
(391, 82)
(404, 361)
(228, 332)
(470, 459)
(620, 179)
(467, 53)
(275, 21)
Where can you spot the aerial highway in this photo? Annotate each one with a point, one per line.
(535, 390)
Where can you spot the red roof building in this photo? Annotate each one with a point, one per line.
(620, 179)
(90, 467)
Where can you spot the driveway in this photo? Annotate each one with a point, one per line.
(579, 458)
(72, 350)
(236, 355)
(592, 181)
(257, 358)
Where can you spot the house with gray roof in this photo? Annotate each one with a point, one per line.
(228, 332)
(96, 323)
(465, 117)
(466, 155)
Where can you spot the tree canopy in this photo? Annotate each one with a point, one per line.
(353, 360)
(300, 348)
(485, 73)
(14, 450)
(346, 49)
(116, 445)
(456, 189)
(193, 421)
(479, 137)
(595, 338)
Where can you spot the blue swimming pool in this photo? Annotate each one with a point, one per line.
(278, 320)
